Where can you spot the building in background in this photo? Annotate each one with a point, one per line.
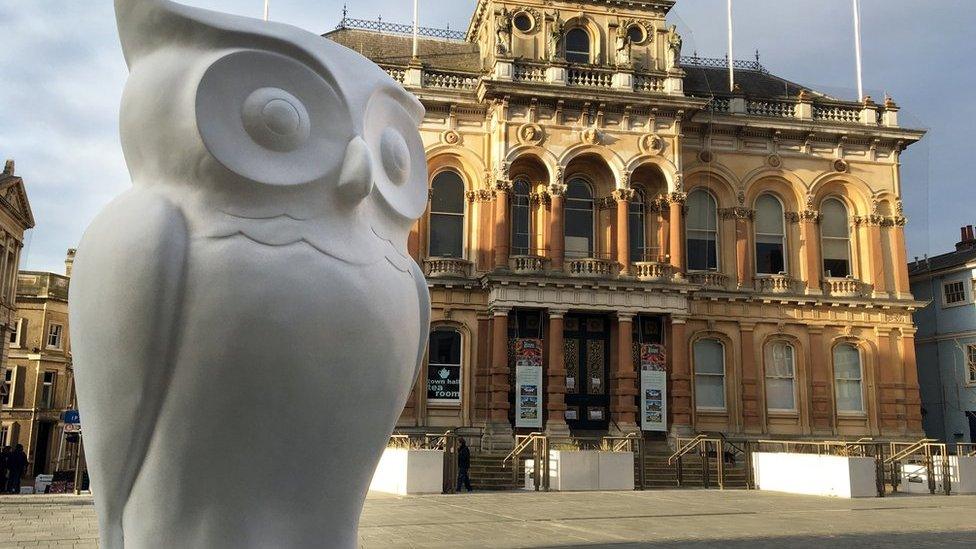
(946, 340)
(40, 375)
(601, 199)
(15, 219)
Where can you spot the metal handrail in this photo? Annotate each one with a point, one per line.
(912, 448)
(692, 443)
(966, 449)
(701, 443)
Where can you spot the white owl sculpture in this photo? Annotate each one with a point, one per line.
(246, 321)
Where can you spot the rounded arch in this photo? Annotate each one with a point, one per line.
(544, 156)
(666, 168)
(867, 355)
(594, 32)
(728, 365)
(715, 170)
(776, 372)
(611, 159)
(789, 193)
(855, 191)
(717, 183)
(467, 163)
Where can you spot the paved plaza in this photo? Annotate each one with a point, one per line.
(621, 520)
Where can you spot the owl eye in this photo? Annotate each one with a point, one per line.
(398, 154)
(272, 119)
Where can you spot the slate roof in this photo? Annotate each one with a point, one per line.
(446, 55)
(944, 261)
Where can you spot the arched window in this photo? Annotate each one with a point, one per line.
(577, 46)
(848, 378)
(521, 218)
(637, 220)
(444, 366)
(780, 365)
(770, 236)
(835, 238)
(579, 219)
(709, 356)
(702, 232)
(447, 216)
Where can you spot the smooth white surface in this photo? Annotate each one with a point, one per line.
(586, 470)
(810, 474)
(962, 476)
(246, 322)
(406, 472)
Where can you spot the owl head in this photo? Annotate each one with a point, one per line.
(247, 110)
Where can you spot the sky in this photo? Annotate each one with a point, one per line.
(63, 73)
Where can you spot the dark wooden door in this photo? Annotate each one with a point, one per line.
(587, 351)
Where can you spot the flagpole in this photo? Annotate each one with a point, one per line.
(416, 28)
(857, 48)
(731, 62)
(267, 9)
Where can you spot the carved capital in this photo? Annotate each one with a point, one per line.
(809, 216)
(872, 220)
(677, 197)
(792, 217)
(623, 195)
(557, 189)
(542, 197)
(606, 203)
(503, 185)
(737, 213)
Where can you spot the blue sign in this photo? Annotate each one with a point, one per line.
(72, 417)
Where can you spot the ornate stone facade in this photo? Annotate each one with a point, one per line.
(641, 192)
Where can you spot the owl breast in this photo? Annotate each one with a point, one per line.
(304, 351)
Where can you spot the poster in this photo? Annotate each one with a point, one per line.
(444, 383)
(654, 387)
(528, 383)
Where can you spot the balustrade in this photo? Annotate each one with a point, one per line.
(776, 109)
(648, 83)
(844, 287)
(529, 73)
(592, 268)
(527, 264)
(776, 284)
(397, 73)
(709, 279)
(652, 271)
(591, 78)
(447, 267)
(449, 80)
(837, 113)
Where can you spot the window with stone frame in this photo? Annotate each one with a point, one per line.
(770, 227)
(953, 293)
(578, 46)
(701, 231)
(848, 379)
(17, 332)
(709, 357)
(4, 433)
(521, 218)
(54, 336)
(971, 364)
(447, 216)
(637, 220)
(48, 386)
(7, 395)
(579, 220)
(780, 368)
(835, 238)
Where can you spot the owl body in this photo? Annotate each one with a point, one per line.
(246, 321)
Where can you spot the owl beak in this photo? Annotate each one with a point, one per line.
(356, 179)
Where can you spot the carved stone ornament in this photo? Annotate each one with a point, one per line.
(774, 161)
(623, 195)
(792, 217)
(591, 136)
(451, 137)
(557, 189)
(706, 156)
(841, 166)
(651, 144)
(272, 154)
(531, 134)
(737, 213)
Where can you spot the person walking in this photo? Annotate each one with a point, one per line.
(464, 463)
(16, 465)
(4, 454)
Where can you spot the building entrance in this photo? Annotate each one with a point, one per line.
(587, 355)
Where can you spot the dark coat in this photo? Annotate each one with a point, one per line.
(464, 458)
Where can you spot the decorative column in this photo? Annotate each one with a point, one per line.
(888, 384)
(743, 258)
(913, 399)
(663, 230)
(623, 198)
(502, 233)
(556, 376)
(823, 393)
(677, 232)
(810, 244)
(752, 413)
(873, 223)
(896, 232)
(499, 427)
(623, 406)
(680, 379)
(557, 231)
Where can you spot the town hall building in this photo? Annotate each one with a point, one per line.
(617, 241)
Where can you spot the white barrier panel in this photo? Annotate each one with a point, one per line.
(405, 472)
(810, 474)
(586, 470)
(962, 476)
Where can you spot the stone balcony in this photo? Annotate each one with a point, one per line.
(591, 267)
(528, 264)
(777, 284)
(709, 280)
(652, 271)
(845, 287)
(447, 267)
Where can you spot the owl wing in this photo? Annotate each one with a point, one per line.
(423, 296)
(126, 295)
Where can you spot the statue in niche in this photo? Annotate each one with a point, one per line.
(256, 273)
(674, 48)
(503, 32)
(623, 47)
(555, 36)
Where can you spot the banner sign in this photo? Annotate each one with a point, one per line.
(654, 387)
(444, 382)
(528, 383)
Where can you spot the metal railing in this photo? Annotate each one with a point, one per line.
(380, 25)
(706, 447)
(539, 443)
(929, 455)
(448, 442)
(966, 449)
(722, 63)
